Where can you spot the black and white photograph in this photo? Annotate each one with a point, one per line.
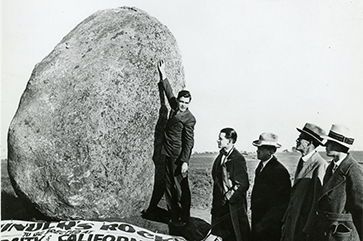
(181, 120)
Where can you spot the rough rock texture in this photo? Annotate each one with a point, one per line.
(81, 145)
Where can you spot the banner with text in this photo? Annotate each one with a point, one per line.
(78, 231)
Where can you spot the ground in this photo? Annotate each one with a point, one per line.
(200, 185)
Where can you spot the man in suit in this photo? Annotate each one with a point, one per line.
(177, 147)
(340, 205)
(230, 184)
(271, 191)
(300, 214)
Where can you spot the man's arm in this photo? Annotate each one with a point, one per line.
(166, 85)
(188, 140)
(241, 181)
(187, 145)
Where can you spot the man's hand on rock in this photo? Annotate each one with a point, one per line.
(161, 68)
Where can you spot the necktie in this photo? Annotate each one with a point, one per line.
(329, 172)
(227, 183)
(258, 169)
(223, 152)
(299, 167)
(335, 168)
(225, 178)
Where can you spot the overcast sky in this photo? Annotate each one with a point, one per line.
(253, 65)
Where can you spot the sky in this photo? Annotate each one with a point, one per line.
(254, 65)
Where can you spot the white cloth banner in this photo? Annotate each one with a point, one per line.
(78, 231)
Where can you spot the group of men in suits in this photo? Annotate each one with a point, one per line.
(325, 201)
(270, 193)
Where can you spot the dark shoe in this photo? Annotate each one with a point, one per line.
(185, 220)
(147, 215)
(158, 215)
(177, 223)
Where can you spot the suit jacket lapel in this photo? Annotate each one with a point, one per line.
(218, 162)
(309, 165)
(179, 116)
(333, 181)
(217, 172)
(230, 156)
(338, 177)
(269, 164)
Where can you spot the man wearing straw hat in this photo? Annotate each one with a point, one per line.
(340, 205)
(271, 191)
(230, 184)
(309, 174)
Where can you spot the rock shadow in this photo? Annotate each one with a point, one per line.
(197, 229)
(12, 208)
(15, 208)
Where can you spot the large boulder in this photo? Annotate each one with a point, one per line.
(81, 144)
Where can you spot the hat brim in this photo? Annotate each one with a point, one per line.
(332, 139)
(265, 143)
(321, 142)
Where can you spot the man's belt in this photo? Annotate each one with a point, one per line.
(334, 216)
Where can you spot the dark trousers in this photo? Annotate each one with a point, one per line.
(177, 191)
(222, 223)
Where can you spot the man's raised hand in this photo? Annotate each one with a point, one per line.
(161, 68)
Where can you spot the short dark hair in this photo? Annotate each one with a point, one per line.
(185, 94)
(230, 134)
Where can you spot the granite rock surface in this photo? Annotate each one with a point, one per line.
(83, 142)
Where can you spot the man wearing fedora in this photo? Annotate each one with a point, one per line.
(271, 191)
(339, 214)
(300, 214)
(230, 184)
